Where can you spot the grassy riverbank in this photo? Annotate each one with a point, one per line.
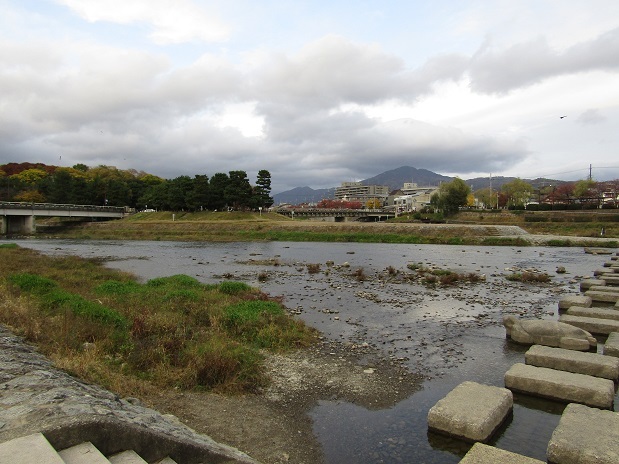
(224, 226)
(174, 332)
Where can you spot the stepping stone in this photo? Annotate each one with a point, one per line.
(585, 435)
(578, 362)
(611, 280)
(604, 288)
(602, 297)
(484, 454)
(588, 283)
(29, 450)
(591, 324)
(561, 386)
(611, 347)
(84, 453)
(599, 313)
(568, 301)
(471, 411)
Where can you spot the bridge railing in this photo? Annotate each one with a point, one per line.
(55, 206)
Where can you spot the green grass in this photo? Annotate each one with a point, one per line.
(169, 332)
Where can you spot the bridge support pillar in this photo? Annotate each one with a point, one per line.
(23, 225)
(3, 225)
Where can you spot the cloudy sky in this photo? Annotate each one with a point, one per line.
(317, 92)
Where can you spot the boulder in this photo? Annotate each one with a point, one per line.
(548, 333)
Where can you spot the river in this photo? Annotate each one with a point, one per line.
(451, 333)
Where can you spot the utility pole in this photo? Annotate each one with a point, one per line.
(590, 176)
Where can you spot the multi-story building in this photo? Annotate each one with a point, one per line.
(356, 191)
(412, 197)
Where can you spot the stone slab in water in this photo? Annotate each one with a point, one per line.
(602, 297)
(561, 386)
(599, 313)
(611, 347)
(593, 325)
(588, 283)
(585, 436)
(611, 280)
(568, 301)
(471, 411)
(485, 454)
(578, 362)
(604, 288)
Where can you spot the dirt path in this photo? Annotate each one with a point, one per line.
(274, 426)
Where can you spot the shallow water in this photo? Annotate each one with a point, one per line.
(451, 334)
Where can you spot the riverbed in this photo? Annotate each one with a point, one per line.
(369, 294)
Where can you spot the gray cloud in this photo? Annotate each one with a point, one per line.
(527, 63)
(591, 116)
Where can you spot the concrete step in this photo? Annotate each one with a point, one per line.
(596, 313)
(597, 365)
(562, 386)
(604, 288)
(602, 297)
(30, 449)
(591, 324)
(127, 457)
(167, 460)
(84, 453)
(585, 435)
(611, 347)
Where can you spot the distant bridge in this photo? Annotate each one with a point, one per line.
(18, 218)
(337, 214)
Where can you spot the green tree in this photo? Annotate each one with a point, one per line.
(262, 190)
(217, 191)
(518, 192)
(451, 196)
(178, 193)
(198, 197)
(238, 192)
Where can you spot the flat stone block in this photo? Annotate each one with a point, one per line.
(602, 297)
(29, 450)
(484, 454)
(610, 279)
(604, 288)
(585, 436)
(611, 347)
(578, 362)
(598, 272)
(591, 324)
(568, 301)
(560, 385)
(127, 457)
(599, 313)
(471, 411)
(84, 453)
(588, 283)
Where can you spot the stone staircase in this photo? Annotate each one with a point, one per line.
(35, 449)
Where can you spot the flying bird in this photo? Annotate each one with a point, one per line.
(561, 117)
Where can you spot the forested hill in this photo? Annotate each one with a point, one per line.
(107, 185)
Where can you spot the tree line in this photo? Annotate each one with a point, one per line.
(109, 186)
(519, 194)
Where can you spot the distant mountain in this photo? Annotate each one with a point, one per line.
(300, 195)
(396, 178)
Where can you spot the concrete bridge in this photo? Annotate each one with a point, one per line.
(19, 218)
(337, 214)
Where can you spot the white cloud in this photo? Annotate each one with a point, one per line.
(172, 21)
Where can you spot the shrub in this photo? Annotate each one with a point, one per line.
(359, 274)
(313, 268)
(233, 288)
(527, 276)
(32, 283)
(115, 287)
(178, 281)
